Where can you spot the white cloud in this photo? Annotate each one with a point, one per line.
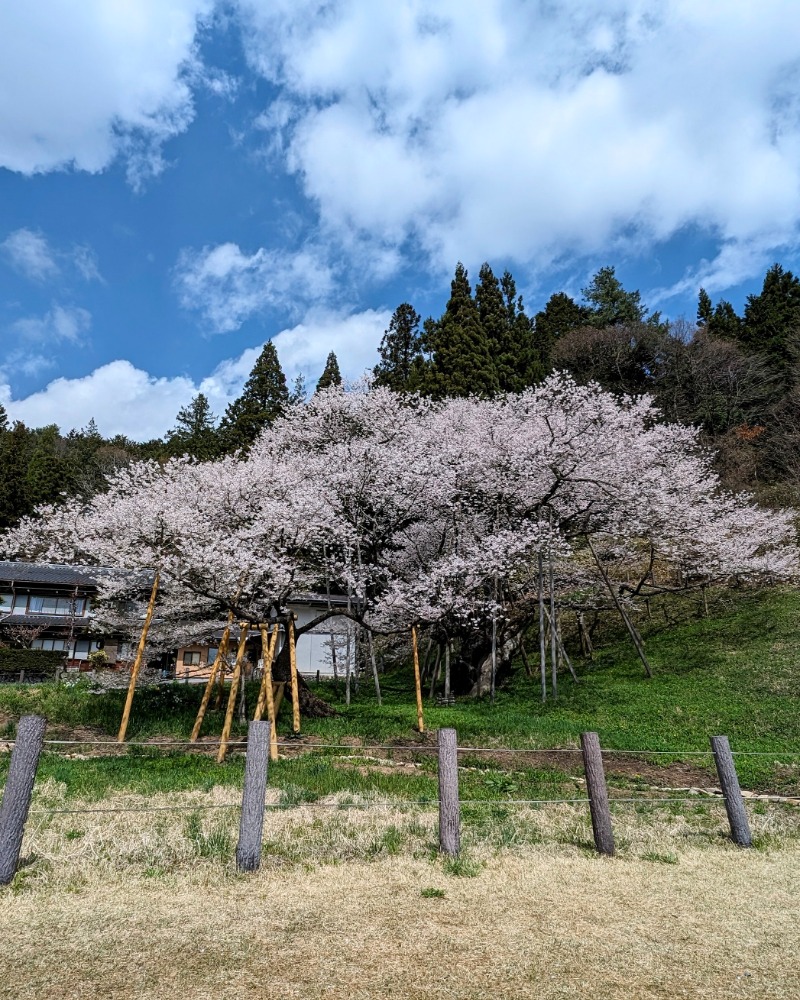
(81, 81)
(227, 286)
(126, 400)
(502, 128)
(353, 338)
(30, 254)
(121, 398)
(59, 323)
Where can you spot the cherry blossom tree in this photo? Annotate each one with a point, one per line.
(442, 515)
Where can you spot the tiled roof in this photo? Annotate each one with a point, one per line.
(49, 573)
(60, 575)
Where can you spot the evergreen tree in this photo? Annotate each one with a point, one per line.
(705, 312)
(263, 398)
(560, 315)
(462, 363)
(194, 433)
(725, 322)
(15, 447)
(46, 475)
(521, 364)
(400, 350)
(771, 318)
(3, 419)
(609, 303)
(331, 374)
(299, 393)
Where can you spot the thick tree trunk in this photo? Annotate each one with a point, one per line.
(483, 678)
(311, 705)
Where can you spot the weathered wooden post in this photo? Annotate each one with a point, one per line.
(18, 791)
(251, 825)
(449, 808)
(729, 783)
(598, 793)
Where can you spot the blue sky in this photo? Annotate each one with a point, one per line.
(181, 180)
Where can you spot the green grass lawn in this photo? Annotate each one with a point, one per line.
(736, 672)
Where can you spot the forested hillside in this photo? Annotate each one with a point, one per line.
(735, 376)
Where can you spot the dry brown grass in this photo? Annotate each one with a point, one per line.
(124, 906)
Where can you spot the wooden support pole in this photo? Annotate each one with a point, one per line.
(137, 663)
(542, 647)
(218, 665)
(449, 808)
(598, 793)
(237, 673)
(18, 791)
(265, 695)
(632, 630)
(293, 676)
(553, 629)
(251, 824)
(729, 783)
(417, 681)
(374, 662)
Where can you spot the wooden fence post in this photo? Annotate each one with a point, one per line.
(251, 824)
(18, 791)
(729, 782)
(449, 809)
(598, 793)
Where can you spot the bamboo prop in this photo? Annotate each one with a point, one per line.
(266, 696)
(562, 650)
(553, 627)
(542, 648)
(632, 630)
(222, 653)
(375, 677)
(293, 676)
(436, 671)
(237, 673)
(417, 681)
(137, 663)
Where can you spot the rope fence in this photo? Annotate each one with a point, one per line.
(30, 742)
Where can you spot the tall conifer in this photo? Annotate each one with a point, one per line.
(331, 374)
(462, 360)
(400, 351)
(263, 399)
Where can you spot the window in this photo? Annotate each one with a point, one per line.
(82, 649)
(20, 603)
(58, 644)
(191, 659)
(212, 654)
(6, 602)
(40, 604)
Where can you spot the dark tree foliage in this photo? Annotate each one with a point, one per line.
(609, 303)
(331, 374)
(15, 452)
(560, 316)
(771, 318)
(299, 393)
(705, 310)
(462, 363)
(194, 433)
(47, 473)
(508, 330)
(400, 351)
(263, 399)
